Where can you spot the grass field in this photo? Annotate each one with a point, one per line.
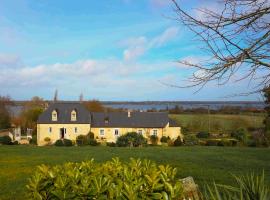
(205, 164)
(218, 122)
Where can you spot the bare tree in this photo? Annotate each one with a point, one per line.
(236, 39)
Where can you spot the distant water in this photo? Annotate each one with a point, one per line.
(163, 105)
(213, 105)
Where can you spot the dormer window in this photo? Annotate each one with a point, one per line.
(73, 115)
(54, 115)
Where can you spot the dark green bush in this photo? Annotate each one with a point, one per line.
(81, 140)
(154, 139)
(240, 134)
(137, 179)
(164, 139)
(178, 141)
(131, 139)
(59, 143)
(92, 142)
(5, 140)
(91, 135)
(33, 140)
(67, 142)
(111, 144)
(202, 135)
(64, 142)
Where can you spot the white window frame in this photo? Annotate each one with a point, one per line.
(75, 130)
(140, 132)
(155, 132)
(101, 130)
(50, 129)
(116, 129)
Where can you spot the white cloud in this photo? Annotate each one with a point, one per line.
(140, 45)
(9, 60)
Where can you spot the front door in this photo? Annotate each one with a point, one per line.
(62, 133)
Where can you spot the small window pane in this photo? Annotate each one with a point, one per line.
(101, 132)
(75, 130)
(140, 132)
(116, 132)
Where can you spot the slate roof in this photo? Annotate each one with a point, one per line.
(104, 119)
(64, 114)
(136, 119)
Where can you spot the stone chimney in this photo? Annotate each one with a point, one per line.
(129, 113)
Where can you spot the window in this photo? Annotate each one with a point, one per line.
(116, 132)
(155, 132)
(54, 115)
(101, 132)
(75, 130)
(73, 115)
(50, 129)
(140, 132)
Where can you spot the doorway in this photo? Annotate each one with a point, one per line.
(62, 133)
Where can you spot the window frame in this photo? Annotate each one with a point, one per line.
(155, 132)
(140, 132)
(50, 129)
(116, 129)
(75, 130)
(101, 130)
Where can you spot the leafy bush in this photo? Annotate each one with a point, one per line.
(111, 144)
(91, 135)
(153, 139)
(240, 134)
(64, 142)
(178, 141)
(164, 139)
(47, 139)
(131, 139)
(5, 140)
(249, 187)
(92, 142)
(202, 135)
(137, 179)
(81, 140)
(33, 140)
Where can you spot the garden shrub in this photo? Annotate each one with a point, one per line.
(178, 141)
(137, 179)
(247, 187)
(81, 140)
(111, 144)
(154, 139)
(202, 135)
(5, 140)
(164, 139)
(91, 135)
(131, 139)
(241, 135)
(64, 142)
(92, 142)
(33, 140)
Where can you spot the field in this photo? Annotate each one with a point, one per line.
(218, 122)
(205, 164)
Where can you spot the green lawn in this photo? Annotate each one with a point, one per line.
(218, 122)
(205, 164)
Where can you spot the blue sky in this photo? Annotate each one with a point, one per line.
(107, 50)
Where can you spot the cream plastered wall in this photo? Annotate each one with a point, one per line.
(43, 131)
(109, 133)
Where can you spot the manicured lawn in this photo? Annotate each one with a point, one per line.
(205, 164)
(218, 122)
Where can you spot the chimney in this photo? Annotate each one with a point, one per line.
(129, 113)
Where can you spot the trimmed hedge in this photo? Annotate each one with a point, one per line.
(137, 179)
(64, 142)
